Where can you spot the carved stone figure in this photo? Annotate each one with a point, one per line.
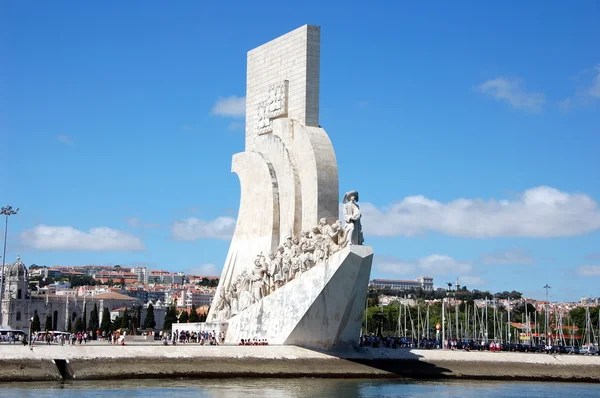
(352, 215)
(232, 294)
(318, 246)
(275, 270)
(258, 287)
(330, 235)
(223, 307)
(244, 293)
(295, 268)
(306, 251)
(288, 256)
(324, 228)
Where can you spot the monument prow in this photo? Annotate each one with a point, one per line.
(321, 309)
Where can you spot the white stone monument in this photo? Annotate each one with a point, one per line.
(294, 274)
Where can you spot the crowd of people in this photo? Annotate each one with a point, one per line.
(13, 338)
(62, 338)
(458, 344)
(202, 337)
(254, 341)
(372, 340)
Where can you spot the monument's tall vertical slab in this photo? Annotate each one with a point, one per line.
(295, 58)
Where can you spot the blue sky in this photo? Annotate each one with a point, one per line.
(471, 130)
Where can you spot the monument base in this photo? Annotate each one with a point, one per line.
(320, 309)
(197, 327)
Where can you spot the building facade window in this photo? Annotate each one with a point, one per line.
(19, 294)
(18, 316)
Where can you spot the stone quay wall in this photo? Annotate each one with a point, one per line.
(95, 362)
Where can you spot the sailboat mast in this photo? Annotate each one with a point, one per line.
(427, 320)
(443, 324)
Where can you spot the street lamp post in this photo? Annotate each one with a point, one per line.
(547, 317)
(5, 211)
(30, 334)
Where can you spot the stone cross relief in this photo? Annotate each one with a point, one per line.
(275, 106)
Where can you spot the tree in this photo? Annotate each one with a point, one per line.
(69, 326)
(170, 317)
(184, 317)
(514, 295)
(520, 309)
(116, 324)
(46, 281)
(125, 320)
(94, 320)
(82, 280)
(213, 282)
(79, 324)
(110, 283)
(194, 315)
(105, 325)
(35, 324)
(149, 322)
(48, 325)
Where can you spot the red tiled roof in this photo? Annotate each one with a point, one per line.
(113, 296)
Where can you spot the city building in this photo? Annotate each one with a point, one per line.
(164, 277)
(590, 300)
(19, 305)
(196, 297)
(142, 274)
(424, 282)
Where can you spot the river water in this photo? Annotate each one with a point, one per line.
(282, 388)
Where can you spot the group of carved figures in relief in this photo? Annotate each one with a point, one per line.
(295, 256)
(274, 106)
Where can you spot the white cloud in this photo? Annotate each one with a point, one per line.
(44, 237)
(435, 264)
(589, 270)
(539, 212)
(470, 280)
(193, 228)
(566, 104)
(65, 139)
(203, 270)
(511, 91)
(588, 89)
(137, 223)
(507, 257)
(230, 106)
(594, 90)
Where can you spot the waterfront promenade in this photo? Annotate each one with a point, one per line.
(140, 359)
